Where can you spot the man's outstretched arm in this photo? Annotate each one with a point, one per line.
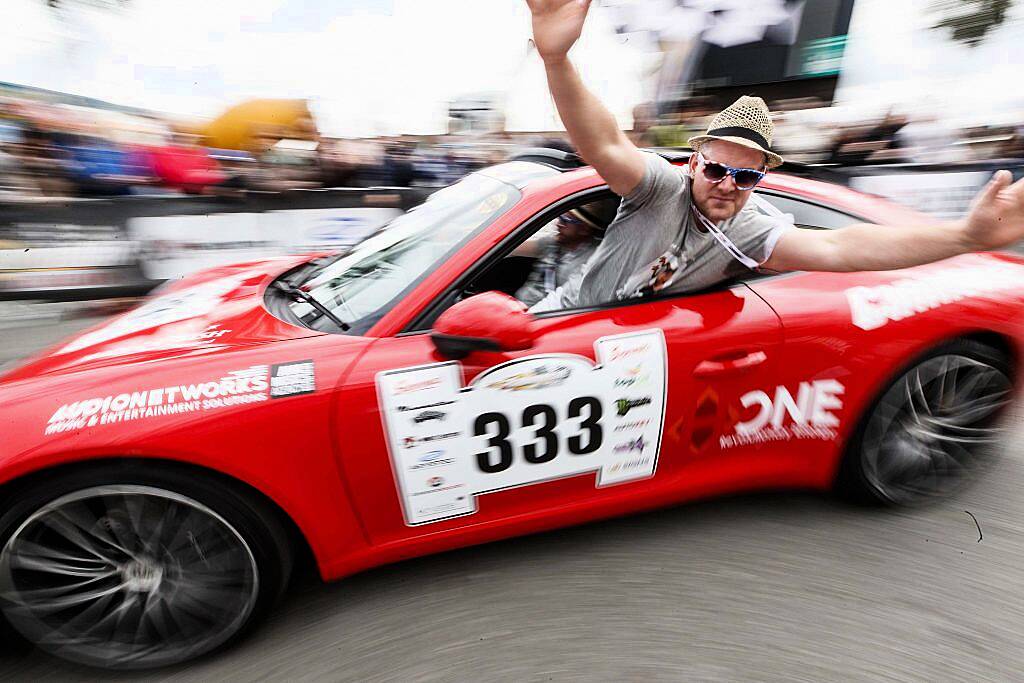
(557, 25)
(996, 220)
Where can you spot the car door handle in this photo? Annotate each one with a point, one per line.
(725, 365)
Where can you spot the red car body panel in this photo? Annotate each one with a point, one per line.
(323, 456)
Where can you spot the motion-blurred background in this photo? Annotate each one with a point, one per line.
(142, 139)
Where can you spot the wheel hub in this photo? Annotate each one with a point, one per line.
(142, 576)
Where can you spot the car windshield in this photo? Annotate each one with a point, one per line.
(362, 286)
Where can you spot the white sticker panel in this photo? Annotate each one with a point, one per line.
(523, 422)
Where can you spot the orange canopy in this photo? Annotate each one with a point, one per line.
(256, 125)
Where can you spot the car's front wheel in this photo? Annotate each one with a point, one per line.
(134, 568)
(930, 429)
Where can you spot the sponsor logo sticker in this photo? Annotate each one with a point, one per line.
(237, 387)
(637, 444)
(872, 308)
(632, 380)
(620, 352)
(411, 441)
(292, 379)
(541, 377)
(405, 409)
(782, 417)
(632, 425)
(412, 386)
(624, 405)
(432, 459)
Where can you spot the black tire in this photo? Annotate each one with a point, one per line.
(194, 563)
(928, 431)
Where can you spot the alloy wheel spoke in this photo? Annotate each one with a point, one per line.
(72, 534)
(134, 507)
(54, 599)
(981, 407)
(49, 566)
(35, 557)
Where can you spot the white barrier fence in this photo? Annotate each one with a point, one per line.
(174, 246)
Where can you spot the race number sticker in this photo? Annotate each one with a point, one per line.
(526, 421)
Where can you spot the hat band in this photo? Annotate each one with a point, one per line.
(741, 132)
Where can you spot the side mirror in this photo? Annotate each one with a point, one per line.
(491, 321)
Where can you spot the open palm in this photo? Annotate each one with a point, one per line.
(997, 214)
(557, 25)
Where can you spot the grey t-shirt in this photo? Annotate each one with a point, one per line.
(655, 245)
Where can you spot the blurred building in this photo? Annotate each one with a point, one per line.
(477, 114)
(780, 49)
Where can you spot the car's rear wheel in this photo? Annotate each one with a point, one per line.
(931, 428)
(127, 569)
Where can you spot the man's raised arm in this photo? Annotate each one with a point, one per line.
(557, 25)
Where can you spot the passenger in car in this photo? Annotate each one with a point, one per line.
(560, 253)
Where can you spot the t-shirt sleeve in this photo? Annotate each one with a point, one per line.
(661, 181)
(760, 233)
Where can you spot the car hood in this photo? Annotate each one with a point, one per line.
(207, 312)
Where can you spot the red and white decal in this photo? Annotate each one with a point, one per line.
(875, 307)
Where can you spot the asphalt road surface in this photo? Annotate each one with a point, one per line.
(770, 587)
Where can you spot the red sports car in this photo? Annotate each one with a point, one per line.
(162, 472)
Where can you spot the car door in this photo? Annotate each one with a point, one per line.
(803, 416)
(609, 410)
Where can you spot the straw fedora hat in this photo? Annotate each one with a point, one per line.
(744, 122)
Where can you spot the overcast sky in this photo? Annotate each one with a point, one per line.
(389, 66)
(370, 66)
(894, 58)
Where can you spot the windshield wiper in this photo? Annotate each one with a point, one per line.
(299, 294)
(309, 270)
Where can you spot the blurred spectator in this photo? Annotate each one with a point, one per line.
(397, 170)
(237, 169)
(339, 162)
(1014, 147)
(926, 140)
(644, 116)
(46, 166)
(181, 165)
(681, 122)
(877, 143)
(100, 168)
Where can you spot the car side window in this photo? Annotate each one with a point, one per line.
(554, 250)
(808, 215)
(512, 268)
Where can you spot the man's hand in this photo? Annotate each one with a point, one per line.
(557, 25)
(996, 218)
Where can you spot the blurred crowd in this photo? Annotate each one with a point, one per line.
(53, 150)
(807, 130)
